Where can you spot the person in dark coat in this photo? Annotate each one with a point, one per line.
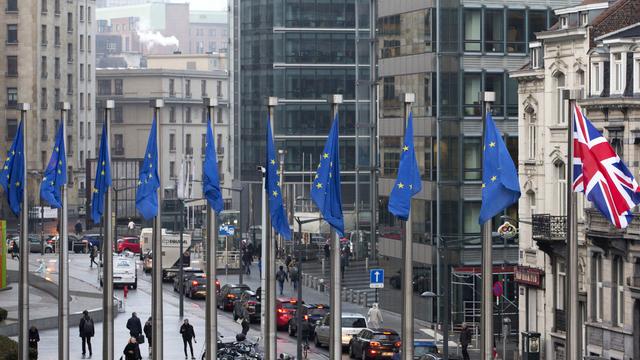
(148, 333)
(327, 251)
(244, 314)
(132, 350)
(87, 331)
(34, 339)
(465, 340)
(281, 277)
(188, 334)
(15, 250)
(78, 228)
(134, 325)
(93, 254)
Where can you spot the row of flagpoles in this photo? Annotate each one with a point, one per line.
(594, 167)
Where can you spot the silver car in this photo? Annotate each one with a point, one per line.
(352, 323)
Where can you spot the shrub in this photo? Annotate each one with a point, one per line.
(9, 350)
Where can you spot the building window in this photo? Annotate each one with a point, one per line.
(43, 159)
(472, 86)
(494, 31)
(618, 79)
(537, 60)
(172, 88)
(584, 19)
(43, 6)
(12, 5)
(172, 114)
(219, 88)
(617, 287)
(69, 84)
(561, 191)
(203, 87)
(187, 147)
(81, 101)
(12, 128)
(12, 66)
(56, 68)
(172, 142)
(81, 13)
(89, 72)
(118, 144)
(564, 22)
(561, 276)
(204, 116)
(12, 34)
(89, 128)
(203, 142)
(56, 7)
(616, 141)
(69, 53)
(219, 118)
(531, 118)
(43, 98)
(81, 72)
(172, 169)
(56, 99)
(471, 213)
(636, 73)
(43, 129)
(472, 30)
(597, 78)
(495, 83)
(89, 13)
(89, 106)
(597, 287)
(104, 87)
(472, 159)
(118, 114)
(516, 33)
(187, 86)
(43, 34)
(81, 156)
(81, 42)
(56, 36)
(12, 97)
(89, 43)
(187, 115)
(81, 130)
(118, 87)
(69, 22)
(561, 106)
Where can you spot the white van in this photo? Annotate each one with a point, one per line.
(170, 250)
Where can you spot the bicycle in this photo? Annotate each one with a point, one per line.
(305, 347)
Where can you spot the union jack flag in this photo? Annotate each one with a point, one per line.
(600, 174)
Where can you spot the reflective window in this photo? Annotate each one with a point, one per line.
(494, 31)
(516, 33)
(472, 29)
(472, 88)
(406, 34)
(471, 213)
(472, 159)
(495, 83)
(537, 22)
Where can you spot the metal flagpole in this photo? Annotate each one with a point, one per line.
(269, 259)
(486, 319)
(107, 256)
(63, 260)
(156, 248)
(211, 313)
(407, 273)
(573, 325)
(336, 281)
(23, 295)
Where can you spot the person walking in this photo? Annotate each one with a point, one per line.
(343, 265)
(15, 250)
(87, 331)
(293, 275)
(281, 277)
(132, 350)
(374, 317)
(131, 226)
(465, 340)
(188, 334)
(34, 339)
(327, 251)
(147, 331)
(244, 314)
(92, 255)
(78, 228)
(135, 327)
(347, 253)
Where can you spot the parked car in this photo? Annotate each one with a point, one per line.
(374, 344)
(91, 240)
(196, 286)
(285, 308)
(352, 324)
(252, 300)
(228, 295)
(129, 243)
(147, 262)
(125, 272)
(425, 350)
(311, 313)
(74, 243)
(35, 244)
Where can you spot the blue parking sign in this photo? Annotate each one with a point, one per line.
(226, 230)
(376, 278)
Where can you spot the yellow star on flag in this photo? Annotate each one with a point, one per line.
(95, 190)
(325, 155)
(59, 171)
(493, 178)
(150, 176)
(139, 182)
(319, 185)
(104, 163)
(273, 161)
(275, 194)
(102, 172)
(405, 148)
(484, 185)
(149, 156)
(6, 167)
(492, 144)
(316, 177)
(400, 186)
(150, 166)
(57, 149)
(411, 186)
(17, 183)
(59, 162)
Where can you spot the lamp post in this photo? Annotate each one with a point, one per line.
(23, 285)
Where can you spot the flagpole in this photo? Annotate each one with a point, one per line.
(23, 295)
(336, 281)
(156, 248)
(486, 319)
(211, 313)
(573, 325)
(63, 260)
(407, 273)
(268, 258)
(107, 255)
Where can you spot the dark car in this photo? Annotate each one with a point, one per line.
(74, 243)
(421, 280)
(196, 286)
(374, 344)
(228, 294)
(91, 240)
(311, 313)
(187, 275)
(252, 300)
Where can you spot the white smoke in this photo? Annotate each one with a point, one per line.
(153, 38)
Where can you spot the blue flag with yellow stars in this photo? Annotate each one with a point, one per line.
(326, 185)
(500, 186)
(149, 181)
(210, 176)
(408, 183)
(12, 178)
(279, 220)
(55, 175)
(103, 178)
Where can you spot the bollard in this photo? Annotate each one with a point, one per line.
(322, 261)
(366, 263)
(366, 302)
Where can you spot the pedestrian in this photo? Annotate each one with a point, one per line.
(281, 276)
(188, 334)
(260, 266)
(132, 350)
(465, 340)
(147, 331)
(374, 317)
(15, 249)
(247, 259)
(78, 228)
(293, 275)
(135, 327)
(34, 339)
(131, 226)
(327, 251)
(287, 261)
(347, 253)
(92, 255)
(87, 331)
(245, 319)
(343, 265)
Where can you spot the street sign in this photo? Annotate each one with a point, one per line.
(227, 230)
(376, 278)
(498, 290)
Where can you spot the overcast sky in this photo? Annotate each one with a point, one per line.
(208, 4)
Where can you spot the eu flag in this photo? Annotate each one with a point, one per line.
(149, 181)
(103, 178)
(500, 186)
(12, 178)
(326, 185)
(408, 182)
(55, 175)
(279, 220)
(210, 176)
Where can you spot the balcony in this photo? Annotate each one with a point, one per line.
(550, 232)
(560, 320)
(118, 151)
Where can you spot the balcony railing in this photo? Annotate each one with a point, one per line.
(560, 320)
(549, 227)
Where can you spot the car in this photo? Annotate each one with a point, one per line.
(425, 350)
(421, 280)
(147, 262)
(352, 324)
(81, 211)
(196, 286)
(285, 308)
(228, 294)
(35, 244)
(129, 243)
(374, 344)
(74, 243)
(91, 240)
(185, 278)
(311, 314)
(252, 300)
(125, 272)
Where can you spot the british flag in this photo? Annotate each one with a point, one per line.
(600, 174)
